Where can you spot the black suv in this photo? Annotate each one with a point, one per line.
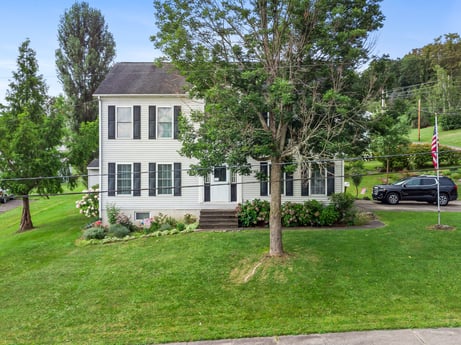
(417, 188)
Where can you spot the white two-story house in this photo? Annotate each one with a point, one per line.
(140, 170)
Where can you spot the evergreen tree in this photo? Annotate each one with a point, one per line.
(86, 51)
(30, 135)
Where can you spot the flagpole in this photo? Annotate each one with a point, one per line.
(438, 170)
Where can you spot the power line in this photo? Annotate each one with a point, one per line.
(318, 162)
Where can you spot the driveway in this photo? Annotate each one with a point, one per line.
(370, 205)
(10, 205)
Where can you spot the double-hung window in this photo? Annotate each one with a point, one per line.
(124, 177)
(165, 122)
(165, 179)
(318, 179)
(124, 123)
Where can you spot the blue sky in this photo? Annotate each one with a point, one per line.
(409, 24)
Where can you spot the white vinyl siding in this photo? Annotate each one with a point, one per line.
(148, 151)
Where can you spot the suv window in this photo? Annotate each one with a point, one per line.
(446, 182)
(413, 182)
(428, 181)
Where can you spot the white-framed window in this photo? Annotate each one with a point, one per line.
(165, 122)
(124, 122)
(318, 179)
(220, 174)
(165, 179)
(124, 178)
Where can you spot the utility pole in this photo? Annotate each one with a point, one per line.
(419, 119)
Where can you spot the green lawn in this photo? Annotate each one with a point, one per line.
(447, 138)
(220, 285)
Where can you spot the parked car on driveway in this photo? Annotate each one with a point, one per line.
(5, 196)
(417, 188)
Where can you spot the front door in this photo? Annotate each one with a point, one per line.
(219, 185)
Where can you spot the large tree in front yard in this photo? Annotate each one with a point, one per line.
(277, 76)
(30, 134)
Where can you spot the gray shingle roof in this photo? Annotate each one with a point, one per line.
(141, 78)
(94, 163)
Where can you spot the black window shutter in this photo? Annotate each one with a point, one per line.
(111, 124)
(111, 179)
(152, 179)
(177, 114)
(330, 178)
(152, 122)
(304, 184)
(289, 184)
(263, 190)
(136, 179)
(137, 122)
(177, 179)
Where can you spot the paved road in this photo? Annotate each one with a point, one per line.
(439, 336)
(10, 205)
(453, 206)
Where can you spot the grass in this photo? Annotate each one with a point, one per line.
(221, 285)
(446, 138)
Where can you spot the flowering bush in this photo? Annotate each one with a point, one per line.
(89, 204)
(309, 213)
(254, 212)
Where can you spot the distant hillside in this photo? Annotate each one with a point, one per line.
(448, 138)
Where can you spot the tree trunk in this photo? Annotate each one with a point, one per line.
(26, 219)
(275, 220)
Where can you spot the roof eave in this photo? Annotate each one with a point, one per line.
(139, 95)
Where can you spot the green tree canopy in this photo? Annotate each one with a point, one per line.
(30, 135)
(86, 51)
(276, 76)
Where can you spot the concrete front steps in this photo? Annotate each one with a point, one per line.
(214, 219)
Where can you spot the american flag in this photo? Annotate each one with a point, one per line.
(435, 147)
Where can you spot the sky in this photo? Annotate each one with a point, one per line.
(409, 24)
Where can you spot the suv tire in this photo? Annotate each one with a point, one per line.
(443, 199)
(392, 198)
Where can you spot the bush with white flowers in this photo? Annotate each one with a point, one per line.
(89, 204)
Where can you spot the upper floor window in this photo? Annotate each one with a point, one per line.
(124, 123)
(165, 122)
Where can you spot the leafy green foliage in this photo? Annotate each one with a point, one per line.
(309, 213)
(278, 79)
(112, 213)
(31, 133)
(344, 205)
(86, 50)
(162, 222)
(96, 233)
(328, 216)
(89, 204)
(83, 146)
(118, 230)
(254, 212)
(356, 170)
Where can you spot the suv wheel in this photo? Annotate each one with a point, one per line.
(393, 198)
(443, 199)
